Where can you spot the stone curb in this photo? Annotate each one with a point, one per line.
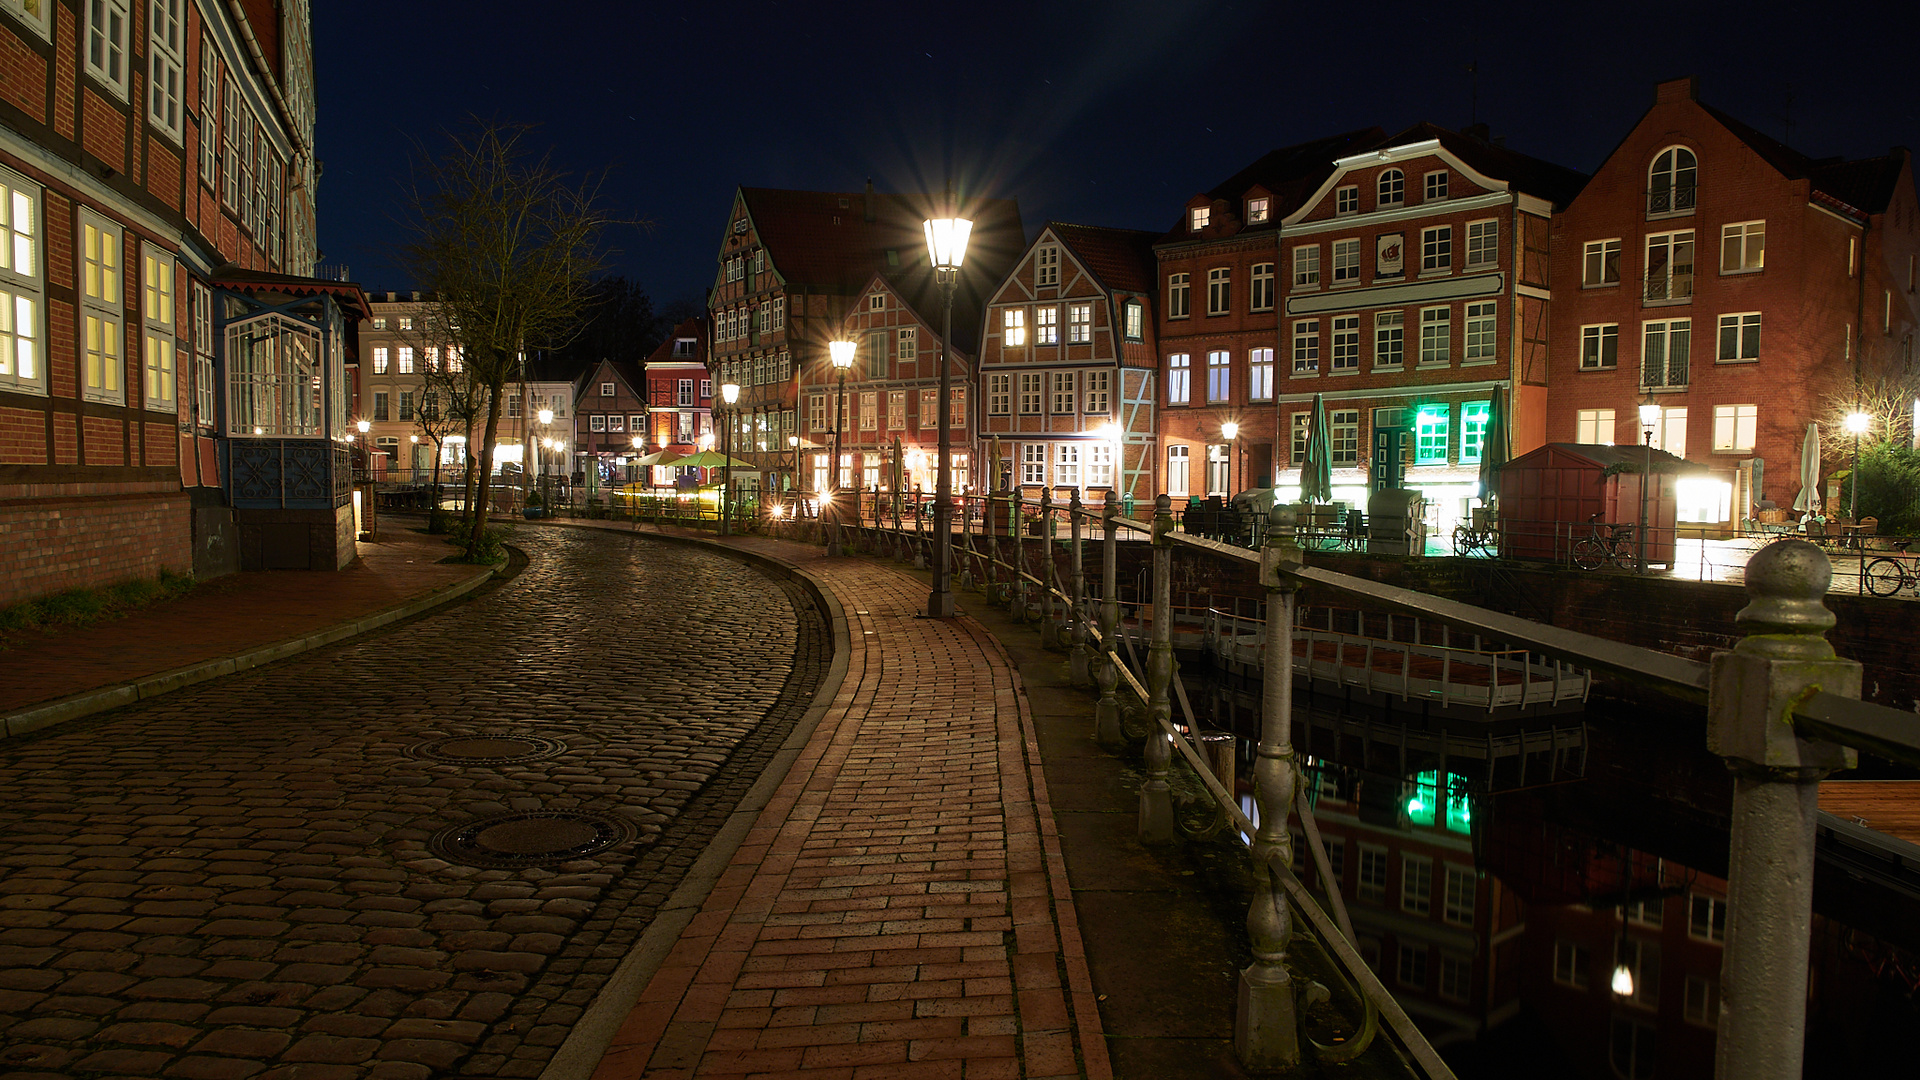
(73, 707)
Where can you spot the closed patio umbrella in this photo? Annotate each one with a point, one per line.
(1316, 472)
(1495, 447)
(1809, 498)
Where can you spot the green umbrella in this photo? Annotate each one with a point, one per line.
(711, 459)
(1494, 447)
(659, 457)
(1316, 472)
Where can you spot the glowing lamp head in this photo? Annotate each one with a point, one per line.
(1649, 415)
(1622, 980)
(1859, 422)
(639, 442)
(1230, 429)
(364, 426)
(793, 441)
(729, 392)
(947, 241)
(842, 353)
(546, 416)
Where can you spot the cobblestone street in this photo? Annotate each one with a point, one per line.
(417, 853)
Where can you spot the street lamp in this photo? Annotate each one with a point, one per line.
(842, 354)
(1230, 430)
(1649, 416)
(946, 249)
(729, 393)
(1858, 423)
(793, 443)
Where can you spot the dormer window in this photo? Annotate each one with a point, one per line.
(683, 347)
(1393, 187)
(1256, 210)
(1436, 185)
(1201, 216)
(1671, 181)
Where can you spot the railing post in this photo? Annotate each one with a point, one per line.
(1018, 604)
(1106, 717)
(1266, 1030)
(1156, 798)
(1077, 656)
(1049, 632)
(1776, 783)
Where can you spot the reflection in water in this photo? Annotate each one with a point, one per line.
(1555, 909)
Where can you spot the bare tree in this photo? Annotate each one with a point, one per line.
(505, 245)
(448, 404)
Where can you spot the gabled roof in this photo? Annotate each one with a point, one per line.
(257, 282)
(1864, 186)
(1289, 174)
(1528, 174)
(695, 328)
(1121, 258)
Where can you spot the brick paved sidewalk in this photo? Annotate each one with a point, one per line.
(219, 627)
(900, 908)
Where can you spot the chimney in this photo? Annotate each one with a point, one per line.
(869, 208)
(1687, 89)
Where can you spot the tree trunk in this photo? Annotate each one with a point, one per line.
(486, 471)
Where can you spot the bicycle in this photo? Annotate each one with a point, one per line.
(1605, 543)
(1477, 534)
(1888, 574)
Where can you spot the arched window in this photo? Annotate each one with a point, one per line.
(1670, 184)
(1393, 187)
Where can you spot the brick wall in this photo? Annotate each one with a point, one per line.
(109, 534)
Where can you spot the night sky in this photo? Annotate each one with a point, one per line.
(1103, 114)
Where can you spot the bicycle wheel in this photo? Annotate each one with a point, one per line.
(1884, 577)
(1463, 540)
(1624, 555)
(1588, 554)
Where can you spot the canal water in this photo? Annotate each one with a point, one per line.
(1559, 909)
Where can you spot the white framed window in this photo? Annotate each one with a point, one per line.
(1392, 188)
(1066, 464)
(1670, 266)
(23, 293)
(1346, 262)
(1306, 266)
(405, 365)
(1740, 337)
(957, 419)
(157, 331)
(877, 302)
(1346, 344)
(1179, 374)
(230, 146)
(816, 413)
(1649, 913)
(1346, 200)
(1097, 395)
(1136, 317)
(1600, 263)
(1666, 347)
(1257, 210)
(209, 110)
(166, 64)
(406, 405)
(1416, 884)
(1219, 375)
(1343, 431)
(1431, 431)
(1706, 918)
(1483, 243)
(1743, 247)
(36, 14)
(1046, 325)
(1033, 463)
(1473, 430)
(1436, 249)
(1219, 290)
(1301, 428)
(381, 359)
(406, 323)
(1436, 336)
(272, 367)
(999, 395)
(1065, 392)
(616, 422)
(1261, 298)
(203, 389)
(1013, 328)
(1199, 217)
(1100, 463)
(1734, 427)
(102, 306)
(1179, 466)
(1593, 426)
(1079, 324)
(1179, 296)
(1390, 339)
(1671, 182)
(107, 22)
(1483, 332)
(1435, 185)
(1030, 391)
(1260, 374)
(1670, 431)
(1411, 970)
(896, 409)
(869, 410)
(1046, 265)
(381, 411)
(1702, 1002)
(1373, 868)
(1600, 347)
(1572, 964)
(1306, 346)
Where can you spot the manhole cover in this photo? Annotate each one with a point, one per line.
(532, 839)
(488, 749)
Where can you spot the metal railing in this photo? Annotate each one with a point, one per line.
(1782, 670)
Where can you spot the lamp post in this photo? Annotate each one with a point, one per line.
(729, 393)
(545, 417)
(1857, 422)
(793, 443)
(1230, 431)
(842, 354)
(1649, 416)
(947, 249)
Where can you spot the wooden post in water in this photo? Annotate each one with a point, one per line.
(1156, 797)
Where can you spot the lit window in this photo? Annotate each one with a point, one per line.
(406, 360)
(1136, 320)
(1066, 464)
(1256, 211)
(1436, 185)
(1473, 431)
(1393, 187)
(101, 305)
(1740, 336)
(1670, 432)
(1219, 376)
(35, 13)
(1743, 247)
(1179, 371)
(1046, 326)
(1079, 324)
(1013, 327)
(1201, 216)
(157, 328)
(1430, 429)
(1734, 427)
(22, 292)
(1593, 426)
(1178, 476)
(1100, 464)
(1260, 374)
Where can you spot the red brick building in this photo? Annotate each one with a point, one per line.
(679, 392)
(1068, 364)
(156, 173)
(610, 425)
(793, 266)
(1739, 287)
(1415, 284)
